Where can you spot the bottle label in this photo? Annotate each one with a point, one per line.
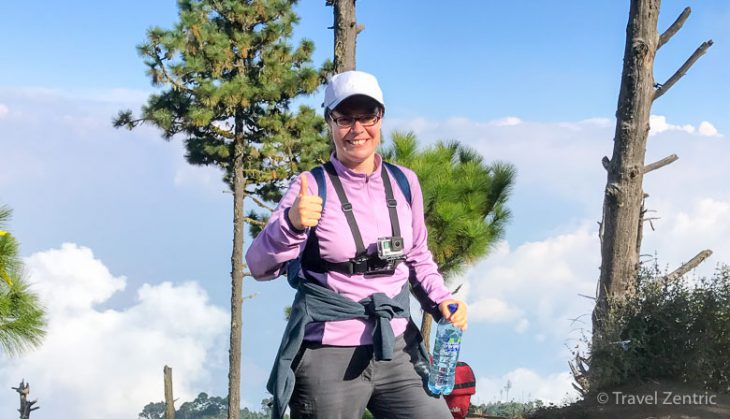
(453, 344)
(451, 347)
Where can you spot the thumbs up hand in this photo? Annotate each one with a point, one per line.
(306, 209)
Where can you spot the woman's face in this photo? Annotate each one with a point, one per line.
(356, 141)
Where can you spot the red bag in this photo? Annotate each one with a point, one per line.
(464, 386)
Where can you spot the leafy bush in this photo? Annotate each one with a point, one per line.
(678, 331)
(205, 407)
(510, 409)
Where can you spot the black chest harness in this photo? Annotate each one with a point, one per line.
(390, 249)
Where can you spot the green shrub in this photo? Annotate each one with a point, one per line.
(511, 409)
(677, 331)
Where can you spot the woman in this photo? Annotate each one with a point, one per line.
(350, 343)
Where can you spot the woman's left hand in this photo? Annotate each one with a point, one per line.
(458, 319)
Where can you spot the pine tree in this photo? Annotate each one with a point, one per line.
(228, 74)
(21, 315)
(464, 201)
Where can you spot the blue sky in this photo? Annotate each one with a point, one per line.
(130, 246)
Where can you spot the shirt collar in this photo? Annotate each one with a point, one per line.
(348, 174)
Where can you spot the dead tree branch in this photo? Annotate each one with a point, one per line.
(260, 203)
(661, 163)
(254, 222)
(676, 26)
(580, 373)
(687, 266)
(700, 51)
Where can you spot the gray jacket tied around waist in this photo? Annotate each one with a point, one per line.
(314, 303)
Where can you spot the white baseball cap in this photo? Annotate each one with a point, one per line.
(351, 83)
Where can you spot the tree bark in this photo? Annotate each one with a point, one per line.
(169, 401)
(700, 51)
(661, 163)
(26, 406)
(621, 228)
(679, 272)
(234, 370)
(346, 30)
(426, 322)
(623, 194)
(674, 27)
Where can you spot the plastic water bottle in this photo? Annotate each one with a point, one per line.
(445, 355)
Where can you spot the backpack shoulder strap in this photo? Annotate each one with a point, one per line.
(401, 180)
(318, 173)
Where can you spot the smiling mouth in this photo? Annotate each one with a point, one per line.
(356, 142)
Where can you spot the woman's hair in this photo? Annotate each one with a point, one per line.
(359, 101)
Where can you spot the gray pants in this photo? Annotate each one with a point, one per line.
(339, 382)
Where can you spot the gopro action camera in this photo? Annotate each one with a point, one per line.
(390, 248)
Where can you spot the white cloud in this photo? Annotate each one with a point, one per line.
(540, 280)
(684, 230)
(537, 284)
(525, 385)
(108, 363)
(601, 122)
(507, 121)
(522, 325)
(563, 160)
(3, 111)
(709, 216)
(659, 124)
(492, 310)
(708, 130)
(550, 158)
(71, 279)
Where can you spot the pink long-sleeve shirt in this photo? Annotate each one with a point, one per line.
(280, 242)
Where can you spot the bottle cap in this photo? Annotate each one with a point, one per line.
(453, 308)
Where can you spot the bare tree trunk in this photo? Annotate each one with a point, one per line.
(624, 193)
(26, 406)
(169, 401)
(426, 323)
(623, 206)
(234, 370)
(346, 30)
